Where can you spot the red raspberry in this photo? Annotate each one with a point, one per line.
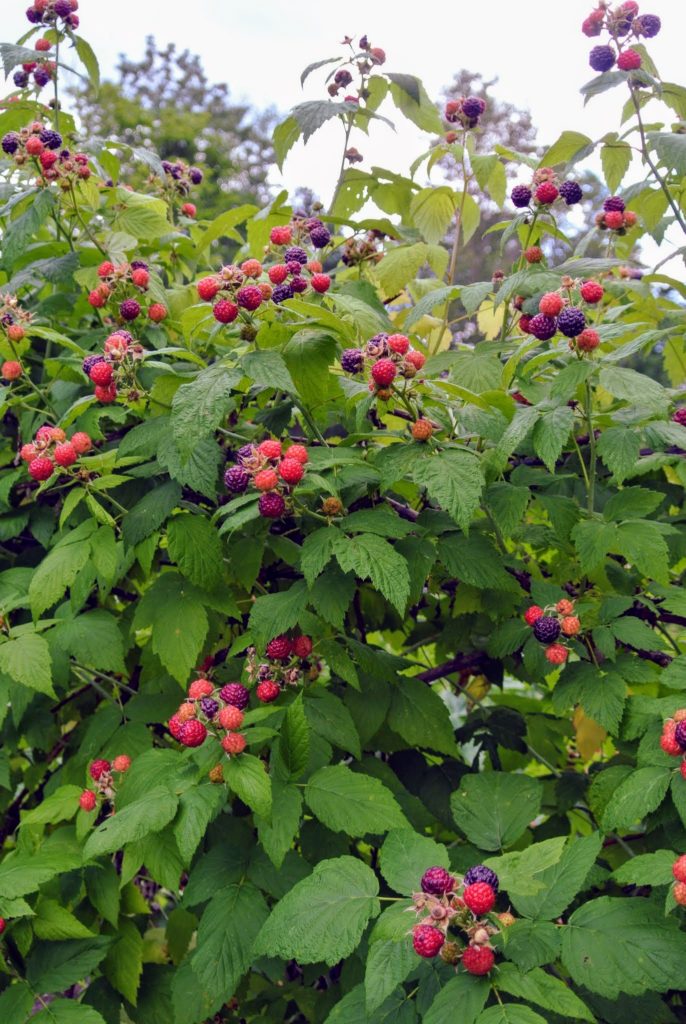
(175, 724)
(234, 743)
(267, 691)
(591, 292)
(15, 332)
(478, 959)
(280, 235)
(320, 282)
(230, 717)
(87, 800)
(422, 430)
(192, 733)
(225, 311)
(384, 372)
(534, 254)
(98, 768)
(415, 358)
(680, 893)
(3, 925)
(249, 297)
(398, 343)
(121, 763)
(679, 868)
(189, 209)
(43, 45)
(140, 277)
(81, 442)
(668, 740)
(427, 940)
(279, 648)
(265, 480)
(106, 269)
(278, 274)
(101, 373)
(588, 340)
(157, 312)
(57, 434)
(34, 146)
(302, 646)
(44, 434)
(65, 454)
(28, 452)
(630, 218)
(546, 193)
(533, 614)
(297, 452)
(106, 393)
(570, 625)
(97, 298)
(614, 220)
(291, 471)
(565, 607)
(10, 369)
(251, 268)
(208, 288)
(314, 266)
(507, 919)
(270, 449)
(47, 159)
(271, 506)
(117, 343)
(629, 60)
(556, 654)
(200, 688)
(41, 468)
(551, 304)
(479, 897)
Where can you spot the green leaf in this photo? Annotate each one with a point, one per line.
(132, 823)
(93, 639)
(536, 986)
(563, 880)
(267, 369)
(633, 387)
(510, 1013)
(59, 806)
(67, 1011)
(615, 158)
(316, 552)
(54, 922)
(284, 138)
(530, 943)
(323, 917)
(623, 946)
(328, 716)
(148, 514)
(197, 807)
(642, 792)
(308, 355)
(175, 611)
(26, 660)
(455, 481)
(140, 215)
(476, 561)
(410, 97)
(195, 547)
(347, 801)
(371, 557)
(400, 265)
(632, 503)
(123, 964)
(518, 871)
(464, 991)
(59, 568)
(247, 776)
(54, 966)
(551, 433)
(277, 834)
(102, 885)
(419, 715)
(294, 739)
(89, 61)
(642, 543)
(432, 210)
(199, 407)
(570, 146)
(312, 114)
(15, 1003)
(493, 809)
(671, 149)
(593, 540)
(388, 965)
(647, 869)
(405, 856)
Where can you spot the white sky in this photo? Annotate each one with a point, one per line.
(535, 49)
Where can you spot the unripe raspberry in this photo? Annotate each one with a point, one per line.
(630, 218)
(10, 370)
(332, 506)
(234, 743)
(186, 711)
(478, 959)
(588, 340)
(101, 373)
(117, 344)
(534, 254)
(314, 266)
(121, 763)
(299, 453)
(200, 688)
(479, 897)
(271, 505)
(302, 647)
(591, 292)
(427, 940)
(267, 691)
(216, 774)
(556, 654)
(207, 288)
(57, 434)
(279, 648)
(251, 268)
(140, 277)
(28, 452)
(225, 311)
(546, 193)
(422, 430)
(680, 715)
(278, 273)
(384, 372)
(398, 343)
(291, 471)
(87, 800)
(270, 449)
(614, 220)
(192, 733)
(265, 480)
(570, 625)
(266, 291)
(41, 468)
(189, 209)
(106, 393)
(437, 881)
(320, 282)
(65, 454)
(507, 919)
(249, 297)
(230, 717)
(235, 694)
(551, 303)
(280, 235)
(533, 614)
(44, 433)
(97, 298)
(15, 332)
(629, 60)
(98, 768)
(679, 868)
(157, 312)
(34, 146)
(415, 358)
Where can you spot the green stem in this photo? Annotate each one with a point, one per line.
(651, 164)
(341, 172)
(588, 407)
(56, 111)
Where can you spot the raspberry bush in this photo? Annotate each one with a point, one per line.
(342, 647)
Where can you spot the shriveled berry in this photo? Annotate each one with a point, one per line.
(279, 648)
(533, 614)
(437, 881)
(98, 768)
(235, 694)
(478, 959)
(234, 743)
(267, 691)
(427, 940)
(87, 800)
(192, 733)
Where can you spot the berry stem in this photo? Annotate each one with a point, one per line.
(588, 409)
(651, 164)
(56, 111)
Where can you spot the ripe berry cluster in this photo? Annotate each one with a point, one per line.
(50, 448)
(545, 189)
(178, 180)
(549, 624)
(614, 217)
(622, 23)
(14, 320)
(126, 283)
(48, 12)
(558, 311)
(466, 905)
(679, 887)
(38, 145)
(115, 369)
(387, 356)
(271, 471)
(102, 773)
(673, 739)
(364, 62)
(42, 71)
(210, 709)
(286, 666)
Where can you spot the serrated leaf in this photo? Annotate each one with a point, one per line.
(347, 801)
(432, 210)
(94, 639)
(541, 988)
(642, 792)
(455, 481)
(551, 433)
(277, 613)
(294, 739)
(563, 880)
(388, 965)
(419, 715)
(53, 966)
(197, 808)
(248, 778)
(199, 407)
(67, 1011)
(647, 869)
(195, 547)
(405, 856)
(123, 965)
(569, 147)
(26, 660)
(493, 809)
(59, 568)
(176, 613)
(148, 514)
(132, 823)
(373, 558)
(615, 158)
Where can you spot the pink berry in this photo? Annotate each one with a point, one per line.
(65, 454)
(41, 468)
(98, 768)
(267, 691)
(427, 940)
(87, 800)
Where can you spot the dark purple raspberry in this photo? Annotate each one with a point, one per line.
(129, 309)
(647, 25)
(546, 629)
(313, 222)
(10, 143)
(139, 265)
(195, 174)
(89, 362)
(680, 734)
(51, 139)
(34, 16)
(271, 505)
(571, 321)
(235, 694)
(166, 167)
(437, 881)
(295, 253)
(20, 79)
(299, 284)
(320, 236)
(352, 360)
(247, 451)
(282, 292)
(614, 204)
(62, 8)
(236, 479)
(41, 77)
(209, 706)
(543, 327)
(480, 873)
(521, 196)
(571, 192)
(343, 77)
(680, 416)
(249, 297)
(601, 58)
(473, 107)
(294, 268)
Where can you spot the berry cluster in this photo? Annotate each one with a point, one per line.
(365, 61)
(465, 111)
(549, 624)
(544, 190)
(450, 902)
(209, 709)
(48, 12)
(50, 449)
(115, 369)
(362, 250)
(102, 773)
(673, 739)
(271, 471)
(178, 180)
(387, 356)
(126, 284)
(614, 217)
(285, 667)
(620, 23)
(13, 319)
(41, 70)
(679, 872)
(41, 146)
(558, 311)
